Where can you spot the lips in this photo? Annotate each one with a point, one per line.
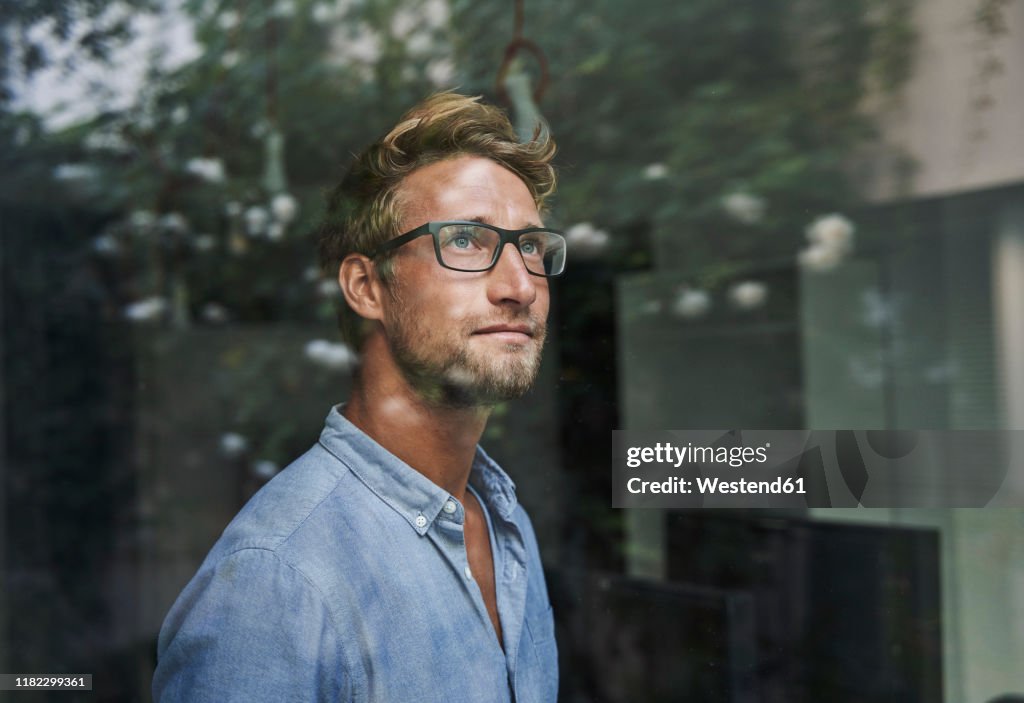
(510, 334)
(499, 329)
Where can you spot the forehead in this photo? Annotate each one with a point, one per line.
(466, 187)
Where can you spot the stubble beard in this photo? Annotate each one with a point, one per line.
(452, 370)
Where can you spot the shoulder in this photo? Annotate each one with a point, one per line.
(249, 627)
(266, 546)
(295, 506)
(259, 596)
(294, 535)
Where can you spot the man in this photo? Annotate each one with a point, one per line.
(391, 562)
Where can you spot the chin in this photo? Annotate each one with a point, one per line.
(484, 387)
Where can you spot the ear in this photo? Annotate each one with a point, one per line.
(361, 286)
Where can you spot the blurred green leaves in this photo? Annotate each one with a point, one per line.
(763, 97)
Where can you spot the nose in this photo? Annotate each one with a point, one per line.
(509, 282)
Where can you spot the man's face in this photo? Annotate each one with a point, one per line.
(465, 339)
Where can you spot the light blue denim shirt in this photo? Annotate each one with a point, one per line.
(346, 579)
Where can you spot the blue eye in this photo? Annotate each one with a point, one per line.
(464, 238)
(533, 247)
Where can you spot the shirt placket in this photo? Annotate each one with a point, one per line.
(510, 580)
(448, 535)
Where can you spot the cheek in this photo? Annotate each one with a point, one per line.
(436, 295)
(543, 301)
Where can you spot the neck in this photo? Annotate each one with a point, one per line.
(439, 442)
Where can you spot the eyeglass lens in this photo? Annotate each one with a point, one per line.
(471, 248)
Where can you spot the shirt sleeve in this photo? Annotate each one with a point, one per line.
(250, 628)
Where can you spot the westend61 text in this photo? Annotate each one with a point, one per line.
(709, 486)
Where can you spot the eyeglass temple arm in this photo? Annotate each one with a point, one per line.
(402, 239)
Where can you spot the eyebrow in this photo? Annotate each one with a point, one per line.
(484, 221)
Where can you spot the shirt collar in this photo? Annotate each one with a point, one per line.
(406, 490)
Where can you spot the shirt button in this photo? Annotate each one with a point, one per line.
(421, 521)
(469, 574)
(449, 507)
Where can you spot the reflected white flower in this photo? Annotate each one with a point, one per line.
(211, 170)
(833, 231)
(284, 8)
(744, 207)
(259, 129)
(284, 207)
(323, 12)
(820, 258)
(142, 219)
(436, 13)
(747, 295)
(403, 21)
(264, 469)
(831, 238)
(441, 72)
(328, 288)
(419, 44)
(146, 310)
(256, 220)
(233, 444)
(654, 172)
(275, 231)
(459, 377)
(106, 245)
(364, 46)
(228, 20)
(331, 355)
(215, 313)
(230, 59)
(394, 406)
(179, 114)
(205, 242)
(314, 348)
(106, 140)
(75, 172)
(174, 222)
(691, 303)
(584, 240)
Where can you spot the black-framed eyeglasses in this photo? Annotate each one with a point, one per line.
(475, 247)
